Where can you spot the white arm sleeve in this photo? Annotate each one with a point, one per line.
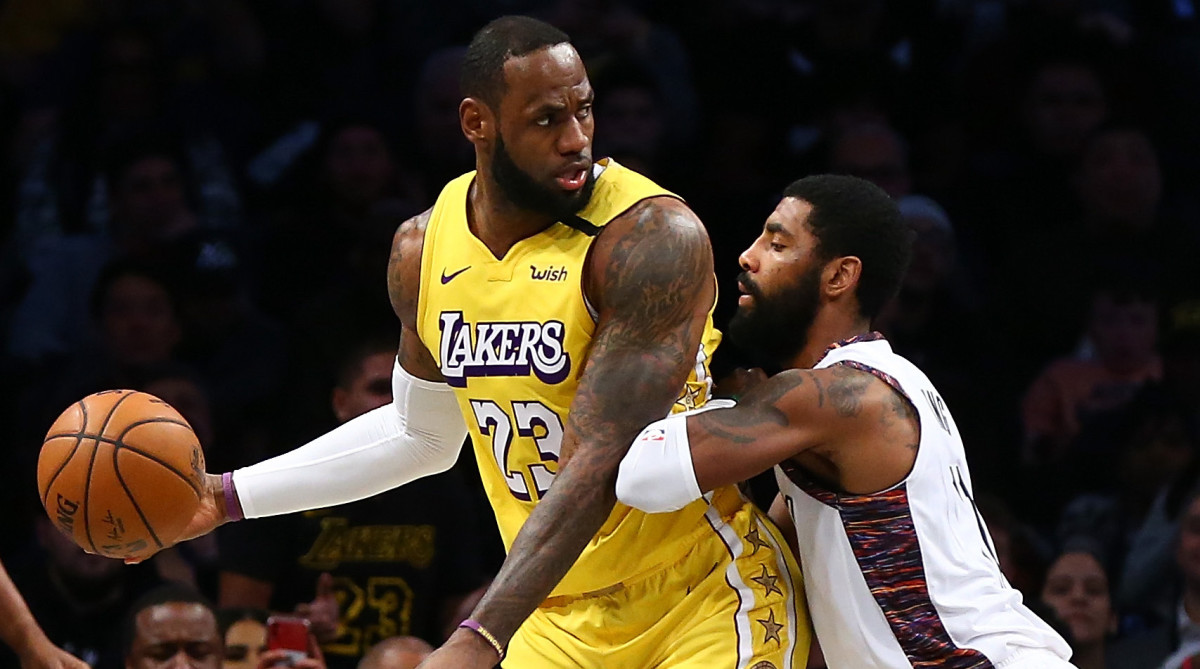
(418, 434)
(657, 474)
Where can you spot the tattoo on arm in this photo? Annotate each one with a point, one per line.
(656, 292)
(847, 389)
(758, 409)
(899, 407)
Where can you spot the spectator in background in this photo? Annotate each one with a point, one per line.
(22, 634)
(629, 105)
(79, 598)
(938, 301)
(135, 312)
(437, 143)
(239, 351)
(398, 652)
(150, 213)
(1122, 333)
(1170, 644)
(1078, 590)
(404, 562)
(244, 632)
(1020, 172)
(611, 31)
(171, 625)
(1130, 479)
(308, 240)
(875, 152)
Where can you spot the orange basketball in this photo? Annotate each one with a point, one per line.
(121, 473)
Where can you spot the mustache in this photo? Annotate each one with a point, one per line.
(751, 287)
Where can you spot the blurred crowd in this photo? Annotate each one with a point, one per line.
(197, 199)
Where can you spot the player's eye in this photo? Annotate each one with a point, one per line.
(584, 112)
(543, 121)
(777, 247)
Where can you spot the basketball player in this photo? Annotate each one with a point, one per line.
(898, 564)
(20, 631)
(551, 307)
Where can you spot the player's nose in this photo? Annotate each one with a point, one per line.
(747, 261)
(574, 138)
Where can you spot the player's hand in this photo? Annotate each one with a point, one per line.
(211, 513)
(42, 654)
(209, 516)
(463, 650)
(322, 611)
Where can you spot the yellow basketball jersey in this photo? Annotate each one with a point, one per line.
(511, 336)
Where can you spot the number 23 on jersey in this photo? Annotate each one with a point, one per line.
(526, 440)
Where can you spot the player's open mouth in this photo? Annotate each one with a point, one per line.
(573, 179)
(746, 297)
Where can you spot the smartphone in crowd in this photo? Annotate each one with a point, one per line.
(288, 633)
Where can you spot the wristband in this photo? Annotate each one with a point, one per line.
(233, 508)
(487, 636)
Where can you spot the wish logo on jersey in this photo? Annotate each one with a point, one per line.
(502, 349)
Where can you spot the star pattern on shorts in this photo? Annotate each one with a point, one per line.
(772, 628)
(752, 537)
(767, 581)
(690, 397)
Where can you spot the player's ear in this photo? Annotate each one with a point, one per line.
(841, 275)
(476, 119)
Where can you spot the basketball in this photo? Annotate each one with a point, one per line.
(121, 473)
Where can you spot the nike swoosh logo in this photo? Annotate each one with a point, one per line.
(448, 279)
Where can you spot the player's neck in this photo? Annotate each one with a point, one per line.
(828, 328)
(496, 221)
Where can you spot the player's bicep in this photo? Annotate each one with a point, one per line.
(416, 359)
(404, 285)
(651, 277)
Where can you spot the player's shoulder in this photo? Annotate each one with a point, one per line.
(659, 211)
(413, 229)
(409, 239)
(404, 263)
(662, 220)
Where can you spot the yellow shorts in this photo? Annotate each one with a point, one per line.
(708, 610)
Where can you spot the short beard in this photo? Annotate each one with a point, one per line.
(776, 327)
(524, 192)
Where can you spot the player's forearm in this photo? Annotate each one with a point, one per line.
(418, 434)
(19, 630)
(547, 546)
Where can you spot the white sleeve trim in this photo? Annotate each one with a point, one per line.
(420, 433)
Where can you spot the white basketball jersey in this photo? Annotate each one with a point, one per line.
(907, 576)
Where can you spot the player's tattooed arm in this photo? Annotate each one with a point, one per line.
(652, 280)
(404, 284)
(789, 413)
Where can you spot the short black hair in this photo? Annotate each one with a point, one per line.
(229, 616)
(119, 268)
(169, 593)
(503, 38)
(854, 217)
(350, 365)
